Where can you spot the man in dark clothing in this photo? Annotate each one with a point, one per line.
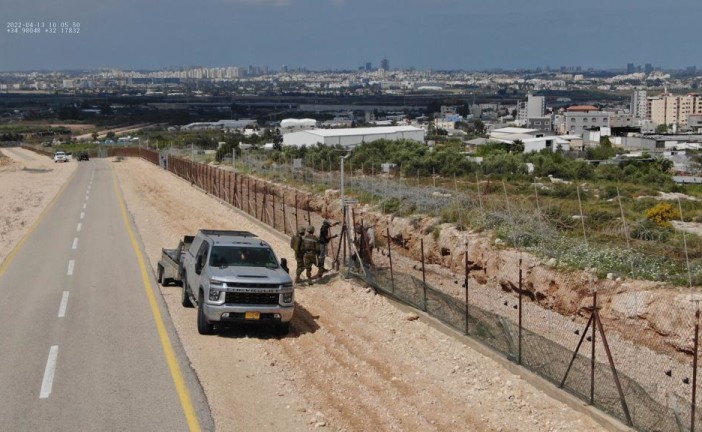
(324, 238)
(296, 245)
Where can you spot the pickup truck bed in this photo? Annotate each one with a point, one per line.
(171, 262)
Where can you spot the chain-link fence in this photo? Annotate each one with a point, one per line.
(493, 298)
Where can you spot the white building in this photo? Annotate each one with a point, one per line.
(294, 125)
(580, 117)
(351, 137)
(552, 143)
(511, 134)
(534, 107)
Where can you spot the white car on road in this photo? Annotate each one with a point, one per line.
(60, 156)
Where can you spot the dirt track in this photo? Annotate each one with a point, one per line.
(353, 361)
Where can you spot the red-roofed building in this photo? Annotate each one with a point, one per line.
(582, 108)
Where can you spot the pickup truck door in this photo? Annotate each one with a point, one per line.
(193, 277)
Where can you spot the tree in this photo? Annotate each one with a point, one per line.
(111, 135)
(662, 128)
(517, 146)
(479, 126)
(106, 109)
(277, 137)
(68, 112)
(94, 135)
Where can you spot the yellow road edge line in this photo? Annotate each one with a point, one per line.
(11, 256)
(176, 374)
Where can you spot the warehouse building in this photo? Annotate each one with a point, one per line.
(351, 137)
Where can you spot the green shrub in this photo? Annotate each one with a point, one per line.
(648, 230)
(661, 214)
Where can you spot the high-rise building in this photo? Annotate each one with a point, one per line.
(639, 105)
(369, 67)
(648, 68)
(630, 68)
(669, 109)
(385, 64)
(534, 107)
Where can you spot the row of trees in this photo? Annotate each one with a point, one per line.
(501, 160)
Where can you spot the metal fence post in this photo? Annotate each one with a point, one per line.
(392, 276)
(255, 200)
(694, 370)
(297, 226)
(285, 217)
(424, 276)
(273, 199)
(467, 315)
(592, 356)
(519, 357)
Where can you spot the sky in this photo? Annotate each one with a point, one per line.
(345, 34)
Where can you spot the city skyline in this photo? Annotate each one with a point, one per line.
(344, 35)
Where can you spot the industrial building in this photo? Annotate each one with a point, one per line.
(351, 137)
(221, 124)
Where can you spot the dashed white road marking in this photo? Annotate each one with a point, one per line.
(78, 228)
(85, 206)
(71, 265)
(48, 382)
(75, 243)
(82, 215)
(63, 305)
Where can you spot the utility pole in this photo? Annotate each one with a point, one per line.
(344, 206)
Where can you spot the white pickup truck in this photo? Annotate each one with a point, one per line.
(60, 156)
(234, 277)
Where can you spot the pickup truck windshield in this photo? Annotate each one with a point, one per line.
(225, 256)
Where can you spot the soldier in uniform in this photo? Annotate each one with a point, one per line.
(296, 245)
(324, 238)
(310, 246)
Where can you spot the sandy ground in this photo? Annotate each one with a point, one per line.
(353, 361)
(28, 182)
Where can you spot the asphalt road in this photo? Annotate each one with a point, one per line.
(80, 346)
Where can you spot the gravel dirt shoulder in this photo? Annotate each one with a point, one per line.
(28, 183)
(353, 361)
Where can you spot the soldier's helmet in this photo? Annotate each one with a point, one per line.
(325, 223)
(310, 229)
(301, 231)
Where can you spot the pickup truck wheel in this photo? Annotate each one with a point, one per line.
(282, 329)
(203, 327)
(185, 297)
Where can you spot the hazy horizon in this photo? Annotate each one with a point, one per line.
(344, 34)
